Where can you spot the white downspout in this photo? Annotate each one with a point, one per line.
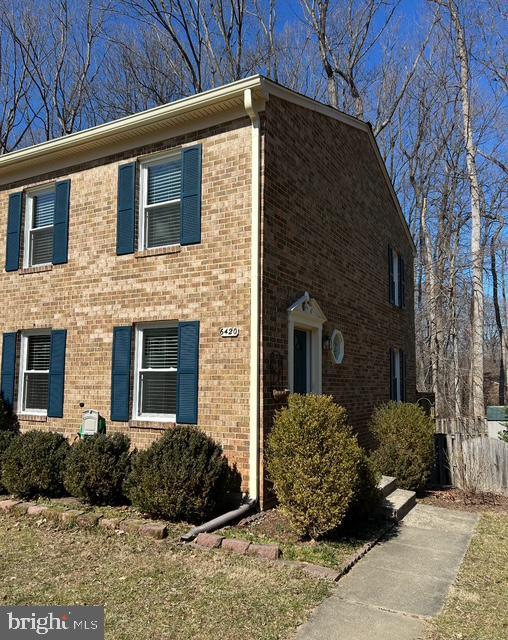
(254, 298)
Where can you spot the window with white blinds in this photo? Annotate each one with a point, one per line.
(161, 190)
(156, 375)
(34, 378)
(39, 236)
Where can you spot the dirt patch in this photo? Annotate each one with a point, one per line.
(270, 524)
(464, 501)
(272, 527)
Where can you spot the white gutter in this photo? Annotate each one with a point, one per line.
(129, 124)
(254, 297)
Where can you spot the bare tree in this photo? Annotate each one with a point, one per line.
(16, 117)
(348, 34)
(477, 197)
(57, 50)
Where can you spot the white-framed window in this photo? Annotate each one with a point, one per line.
(34, 372)
(396, 279)
(40, 213)
(156, 370)
(337, 346)
(398, 375)
(160, 194)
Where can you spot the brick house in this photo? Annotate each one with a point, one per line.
(190, 263)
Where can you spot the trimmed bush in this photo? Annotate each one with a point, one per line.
(367, 499)
(405, 443)
(96, 468)
(6, 437)
(8, 419)
(182, 476)
(33, 464)
(316, 464)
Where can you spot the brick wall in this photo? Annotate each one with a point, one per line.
(98, 290)
(328, 219)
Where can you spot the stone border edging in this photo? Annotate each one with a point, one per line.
(159, 531)
(273, 552)
(86, 519)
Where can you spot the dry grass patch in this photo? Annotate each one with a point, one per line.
(152, 589)
(476, 606)
(273, 528)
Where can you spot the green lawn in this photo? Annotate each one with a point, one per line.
(476, 608)
(153, 590)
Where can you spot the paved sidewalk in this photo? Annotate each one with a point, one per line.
(401, 582)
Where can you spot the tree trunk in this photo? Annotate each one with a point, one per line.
(431, 287)
(476, 220)
(499, 322)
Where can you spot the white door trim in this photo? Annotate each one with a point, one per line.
(306, 314)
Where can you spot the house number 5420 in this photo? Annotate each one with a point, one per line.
(229, 332)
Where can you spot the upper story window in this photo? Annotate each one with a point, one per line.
(161, 182)
(40, 213)
(396, 279)
(34, 372)
(156, 371)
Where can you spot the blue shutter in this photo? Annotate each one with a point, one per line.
(13, 231)
(125, 222)
(191, 196)
(391, 281)
(61, 222)
(402, 283)
(57, 373)
(188, 366)
(121, 374)
(8, 368)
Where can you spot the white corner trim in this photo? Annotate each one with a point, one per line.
(254, 386)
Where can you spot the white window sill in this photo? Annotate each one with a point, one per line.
(158, 251)
(39, 268)
(33, 417)
(152, 418)
(151, 423)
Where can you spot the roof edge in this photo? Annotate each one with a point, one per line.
(155, 115)
(186, 108)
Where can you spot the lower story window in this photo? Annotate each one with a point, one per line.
(397, 375)
(156, 371)
(34, 375)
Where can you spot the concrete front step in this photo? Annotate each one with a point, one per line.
(398, 503)
(386, 485)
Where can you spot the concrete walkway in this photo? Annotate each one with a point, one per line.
(401, 582)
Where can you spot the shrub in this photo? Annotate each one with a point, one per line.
(182, 476)
(405, 443)
(33, 464)
(8, 419)
(96, 468)
(367, 499)
(6, 437)
(315, 463)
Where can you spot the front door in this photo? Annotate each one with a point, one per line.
(300, 374)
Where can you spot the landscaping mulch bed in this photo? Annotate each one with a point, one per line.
(464, 501)
(272, 527)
